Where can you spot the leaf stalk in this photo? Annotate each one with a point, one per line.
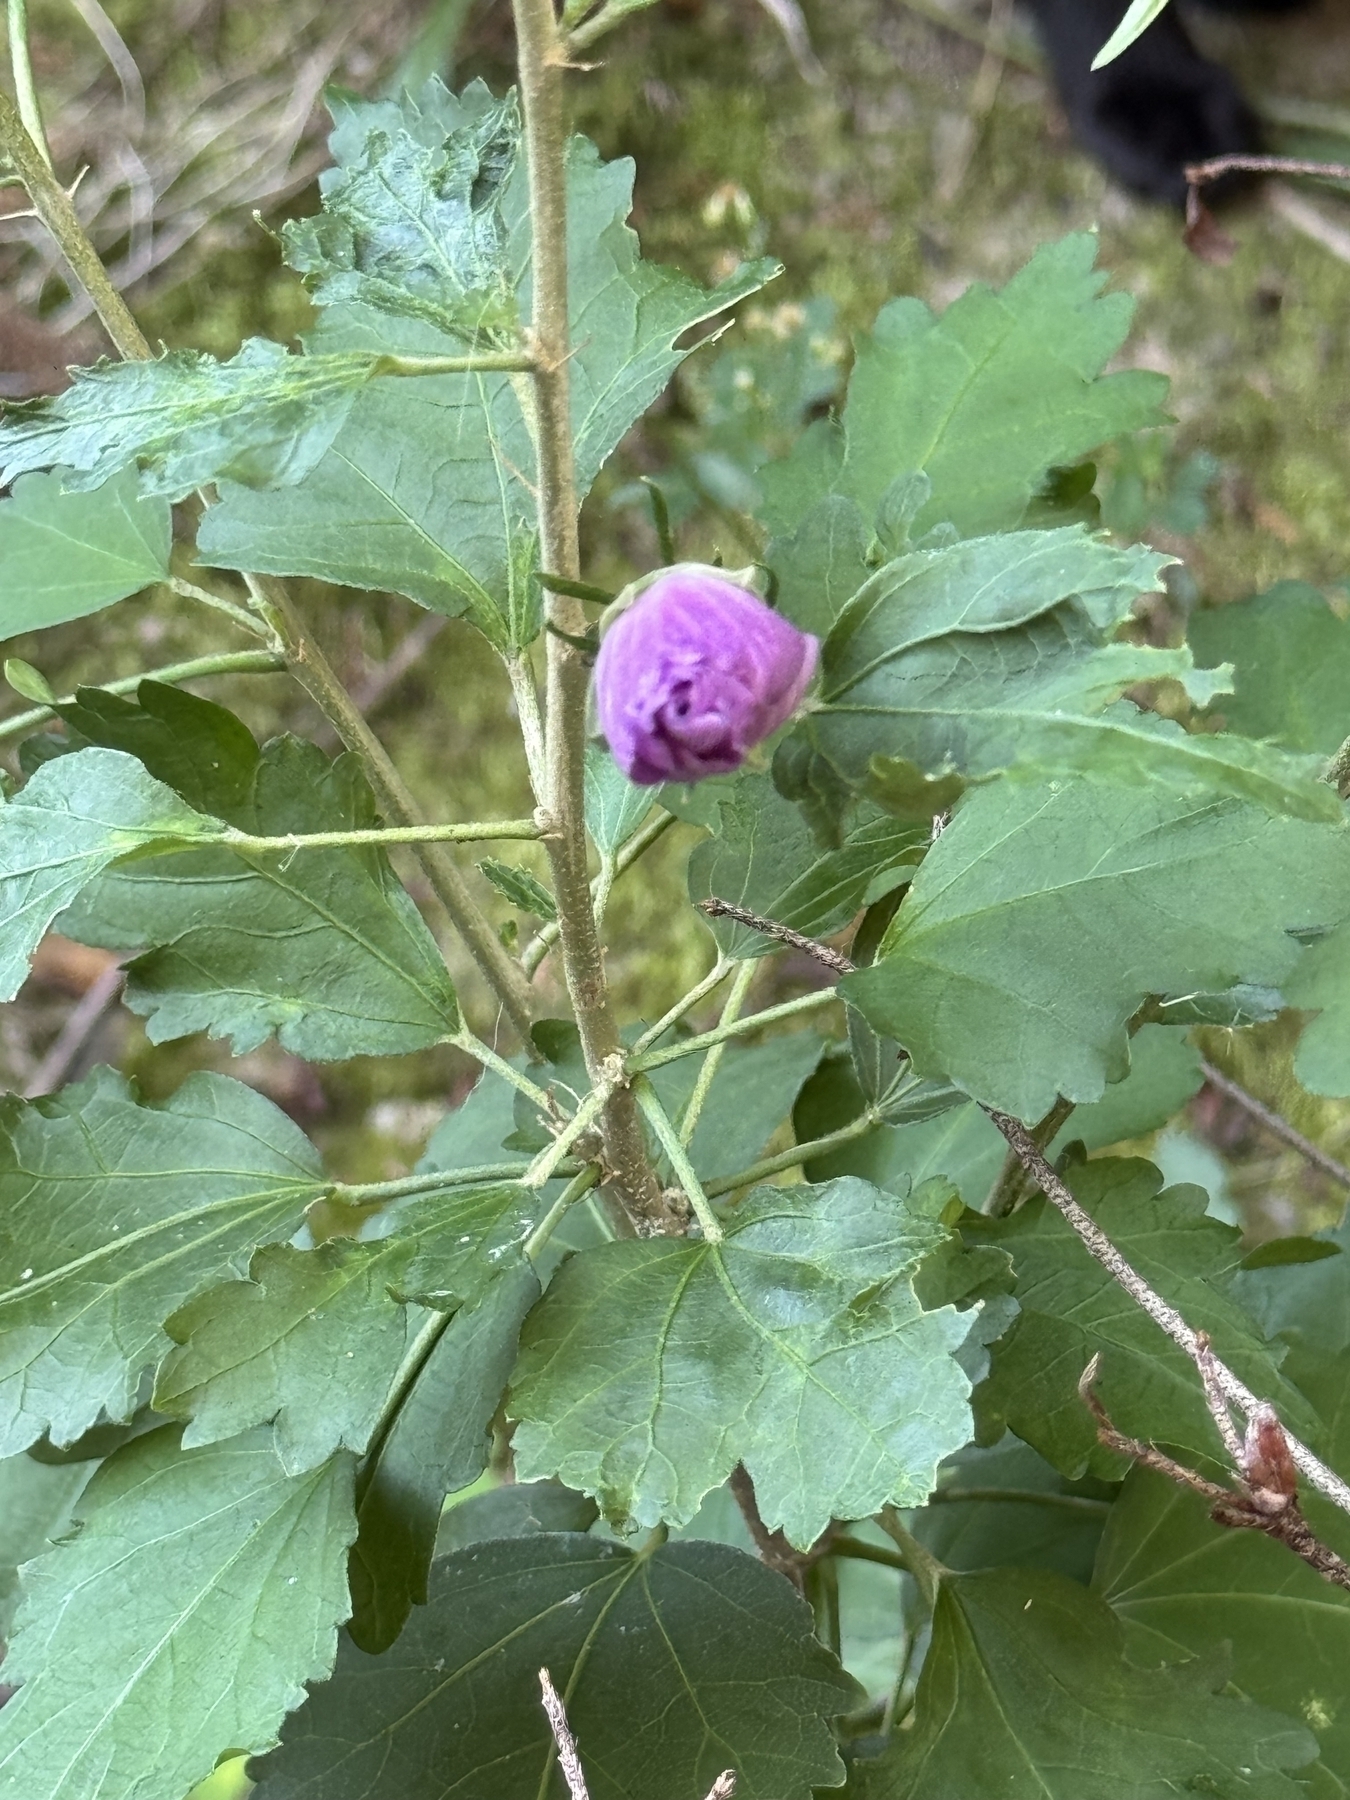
(232, 662)
(395, 800)
(694, 1046)
(473, 832)
(669, 1139)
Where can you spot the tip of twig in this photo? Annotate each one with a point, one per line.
(1203, 236)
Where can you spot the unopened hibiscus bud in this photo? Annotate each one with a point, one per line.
(694, 673)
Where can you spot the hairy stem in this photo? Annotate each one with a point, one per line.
(669, 1139)
(483, 1053)
(686, 1003)
(694, 1046)
(542, 56)
(1014, 1184)
(921, 1563)
(576, 1189)
(862, 1551)
(581, 1121)
(237, 615)
(52, 204)
(521, 677)
(428, 1181)
(795, 1154)
(480, 362)
(1164, 1315)
(315, 673)
(233, 662)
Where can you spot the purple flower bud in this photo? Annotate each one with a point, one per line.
(694, 673)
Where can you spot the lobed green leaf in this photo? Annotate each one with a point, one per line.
(796, 1347)
(1290, 655)
(415, 228)
(439, 1441)
(36, 1500)
(1026, 1692)
(676, 1662)
(427, 492)
(77, 815)
(1045, 915)
(310, 1343)
(322, 948)
(204, 1590)
(766, 859)
(983, 401)
(1181, 1584)
(112, 1214)
(1071, 1309)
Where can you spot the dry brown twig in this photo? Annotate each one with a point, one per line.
(1202, 234)
(1264, 1494)
(570, 1762)
(1274, 1124)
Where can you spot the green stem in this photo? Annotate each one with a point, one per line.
(637, 845)
(686, 1003)
(861, 1551)
(237, 615)
(923, 1565)
(21, 62)
(576, 1189)
(822, 1591)
(582, 1119)
(474, 832)
(312, 669)
(694, 1046)
(797, 1153)
(484, 362)
(427, 1181)
(736, 999)
(521, 677)
(1014, 1186)
(576, 1125)
(52, 204)
(234, 662)
(465, 1040)
(403, 1384)
(669, 1140)
(541, 58)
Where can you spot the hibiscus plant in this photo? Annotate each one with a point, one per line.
(793, 1377)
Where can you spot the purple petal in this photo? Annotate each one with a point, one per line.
(694, 674)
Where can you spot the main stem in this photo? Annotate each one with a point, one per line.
(541, 57)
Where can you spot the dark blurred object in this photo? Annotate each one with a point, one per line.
(1157, 107)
